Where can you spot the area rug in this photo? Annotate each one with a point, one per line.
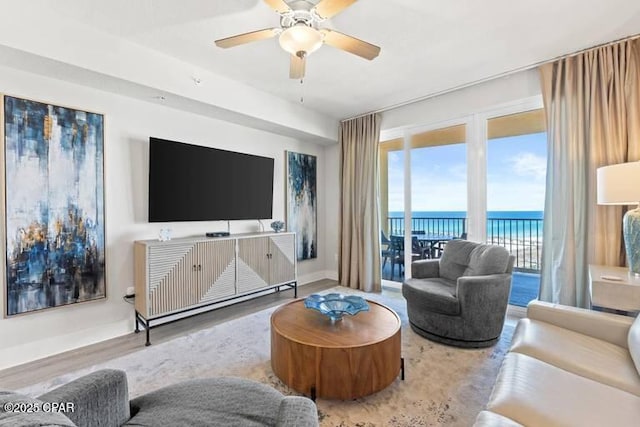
(443, 385)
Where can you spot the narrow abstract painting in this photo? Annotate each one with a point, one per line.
(53, 170)
(302, 203)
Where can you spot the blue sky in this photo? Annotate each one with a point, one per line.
(516, 168)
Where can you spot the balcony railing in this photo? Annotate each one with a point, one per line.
(522, 237)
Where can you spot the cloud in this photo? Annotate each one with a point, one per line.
(529, 165)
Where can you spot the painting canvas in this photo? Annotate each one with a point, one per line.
(302, 203)
(54, 205)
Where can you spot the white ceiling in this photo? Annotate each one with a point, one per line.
(428, 46)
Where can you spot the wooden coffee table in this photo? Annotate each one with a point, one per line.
(354, 357)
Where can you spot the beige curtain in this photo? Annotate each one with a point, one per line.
(359, 265)
(592, 104)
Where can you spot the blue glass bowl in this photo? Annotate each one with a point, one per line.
(335, 305)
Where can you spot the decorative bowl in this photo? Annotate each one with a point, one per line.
(334, 306)
(277, 226)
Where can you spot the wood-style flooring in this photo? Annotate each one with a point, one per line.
(59, 364)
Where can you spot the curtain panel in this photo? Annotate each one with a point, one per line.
(359, 259)
(592, 106)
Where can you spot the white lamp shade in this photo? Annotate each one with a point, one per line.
(619, 184)
(300, 38)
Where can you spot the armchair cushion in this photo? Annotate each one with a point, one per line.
(437, 295)
(455, 258)
(485, 260)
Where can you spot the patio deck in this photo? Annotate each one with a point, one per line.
(524, 286)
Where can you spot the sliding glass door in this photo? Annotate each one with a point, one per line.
(516, 174)
(481, 177)
(431, 166)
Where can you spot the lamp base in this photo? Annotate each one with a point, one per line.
(631, 230)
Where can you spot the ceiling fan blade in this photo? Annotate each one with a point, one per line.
(328, 8)
(297, 67)
(278, 5)
(350, 44)
(247, 37)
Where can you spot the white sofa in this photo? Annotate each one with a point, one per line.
(568, 367)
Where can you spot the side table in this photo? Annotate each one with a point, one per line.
(614, 288)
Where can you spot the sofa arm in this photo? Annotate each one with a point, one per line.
(609, 327)
(297, 411)
(425, 268)
(99, 399)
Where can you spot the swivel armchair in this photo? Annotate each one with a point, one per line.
(460, 299)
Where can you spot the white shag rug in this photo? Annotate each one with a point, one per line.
(443, 385)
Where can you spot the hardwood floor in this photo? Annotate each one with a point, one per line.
(59, 364)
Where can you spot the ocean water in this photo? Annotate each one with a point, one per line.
(504, 225)
(463, 214)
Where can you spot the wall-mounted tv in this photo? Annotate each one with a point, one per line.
(195, 183)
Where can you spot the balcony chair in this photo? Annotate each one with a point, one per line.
(397, 250)
(438, 247)
(460, 299)
(386, 250)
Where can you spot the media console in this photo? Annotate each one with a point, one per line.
(182, 275)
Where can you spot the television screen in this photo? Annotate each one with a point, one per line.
(194, 183)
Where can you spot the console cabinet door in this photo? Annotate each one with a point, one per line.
(253, 264)
(282, 268)
(217, 270)
(185, 275)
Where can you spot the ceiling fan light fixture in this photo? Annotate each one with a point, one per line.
(300, 38)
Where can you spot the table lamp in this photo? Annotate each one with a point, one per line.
(620, 185)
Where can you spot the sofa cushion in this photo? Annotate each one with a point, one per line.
(455, 258)
(436, 295)
(487, 259)
(535, 393)
(491, 419)
(583, 355)
(32, 414)
(633, 341)
(220, 402)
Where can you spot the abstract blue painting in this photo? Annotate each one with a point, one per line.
(302, 203)
(54, 205)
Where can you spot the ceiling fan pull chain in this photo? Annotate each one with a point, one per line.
(302, 90)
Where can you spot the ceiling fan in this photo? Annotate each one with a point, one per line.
(300, 35)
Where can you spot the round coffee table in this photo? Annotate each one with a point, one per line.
(354, 357)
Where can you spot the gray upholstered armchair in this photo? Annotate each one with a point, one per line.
(460, 299)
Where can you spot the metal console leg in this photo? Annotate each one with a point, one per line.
(402, 368)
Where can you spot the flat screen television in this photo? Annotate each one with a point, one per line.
(195, 183)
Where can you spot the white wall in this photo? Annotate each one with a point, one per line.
(463, 102)
(128, 125)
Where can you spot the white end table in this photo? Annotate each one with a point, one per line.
(614, 287)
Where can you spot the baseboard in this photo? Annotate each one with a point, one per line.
(35, 350)
(316, 276)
